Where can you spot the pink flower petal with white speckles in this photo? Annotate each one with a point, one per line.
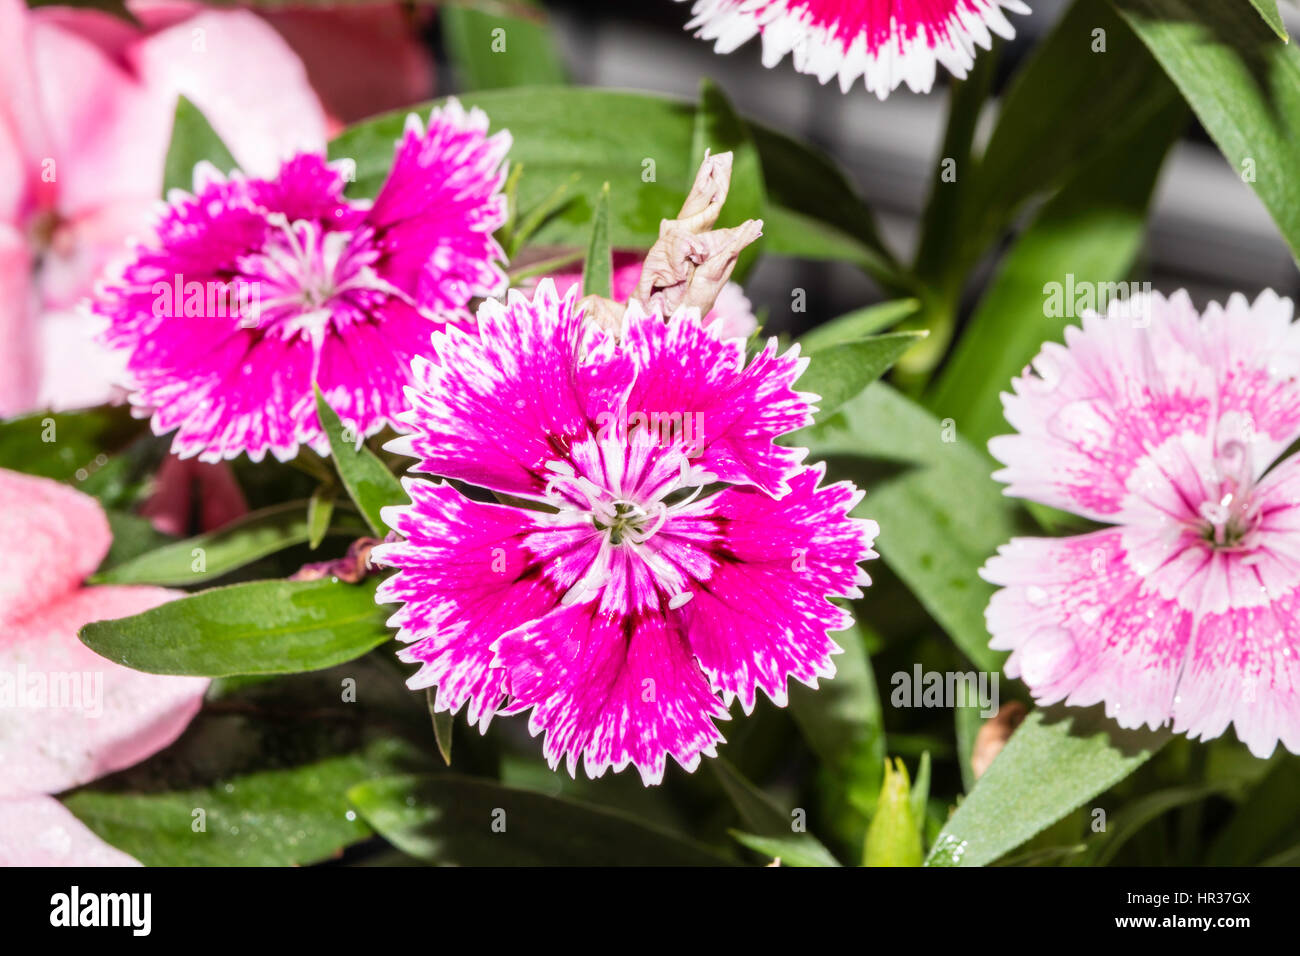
(1083, 626)
(611, 691)
(498, 403)
(467, 577)
(741, 406)
(1088, 411)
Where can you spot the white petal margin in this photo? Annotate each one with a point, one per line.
(820, 47)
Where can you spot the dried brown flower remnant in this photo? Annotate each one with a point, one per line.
(993, 736)
(691, 261)
(352, 567)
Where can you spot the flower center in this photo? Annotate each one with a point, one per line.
(630, 495)
(629, 520)
(1228, 522)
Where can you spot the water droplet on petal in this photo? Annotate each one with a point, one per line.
(1049, 655)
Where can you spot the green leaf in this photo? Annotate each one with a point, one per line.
(368, 481)
(263, 627)
(491, 48)
(193, 141)
(133, 535)
(641, 145)
(268, 764)
(839, 373)
(209, 556)
(719, 129)
(940, 513)
(1136, 814)
(449, 819)
(1268, 10)
(921, 792)
(842, 722)
(858, 324)
(65, 445)
(1086, 237)
(894, 837)
(443, 723)
(1264, 821)
(1243, 84)
(1056, 116)
(320, 509)
(1058, 759)
(771, 825)
(941, 225)
(598, 266)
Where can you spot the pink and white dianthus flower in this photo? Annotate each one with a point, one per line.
(1168, 427)
(883, 41)
(655, 575)
(253, 289)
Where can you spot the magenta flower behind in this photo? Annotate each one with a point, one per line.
(653, 578)
(1168, 427)
(254, 289)
(886, 42)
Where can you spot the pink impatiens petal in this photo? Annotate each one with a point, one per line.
(18, 339)
(225, 62)
(387, 65)
(94, 716)
(51, 539)
(40, 831)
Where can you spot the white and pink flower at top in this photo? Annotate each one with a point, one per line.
(886, 42)
(671, 557)
(346, 292)
(67, 715)
(1171, 428)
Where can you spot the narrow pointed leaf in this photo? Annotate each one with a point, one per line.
(263, 627)
(368, 481)
(1058, 759)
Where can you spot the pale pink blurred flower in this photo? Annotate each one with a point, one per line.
(387, 65)
(105, 717)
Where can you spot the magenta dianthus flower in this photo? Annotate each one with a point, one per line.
(1168, 427)
(254, 289)
(670, 559)
(885, 42)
